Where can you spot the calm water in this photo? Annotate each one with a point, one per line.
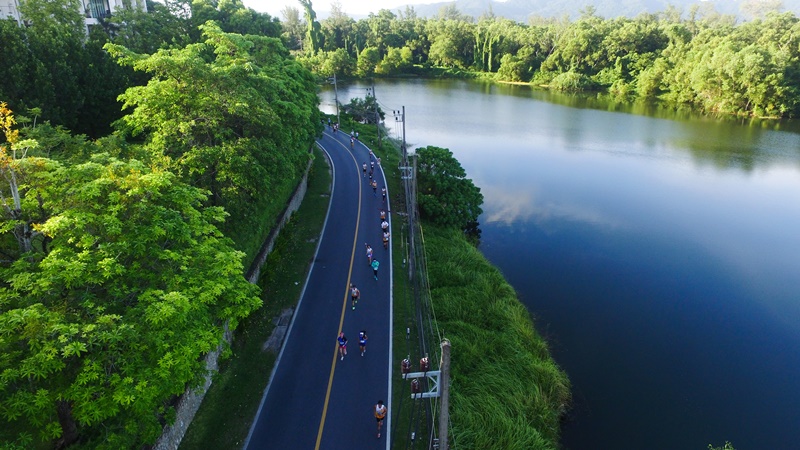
(659, 254)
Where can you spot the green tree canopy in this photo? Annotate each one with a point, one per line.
(102, 327)
(445, 195)
(234, 115)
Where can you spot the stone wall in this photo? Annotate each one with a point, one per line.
(190, 401)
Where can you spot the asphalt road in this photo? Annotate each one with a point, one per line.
(314, 400)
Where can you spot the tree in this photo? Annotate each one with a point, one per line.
(367, 61)
(452, 44)
(234, 115)
(446, 196)
(396, 61)
(337, 29)
(147, 31)
(99, 330)
(364, 110)
(17, 219)
(54, 41)
(313, 41)
(292, 28)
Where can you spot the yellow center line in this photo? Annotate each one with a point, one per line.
(344, 307)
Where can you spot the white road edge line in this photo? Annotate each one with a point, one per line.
(302, 294)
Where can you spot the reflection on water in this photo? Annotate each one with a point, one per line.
(510, 207)
(658, 250)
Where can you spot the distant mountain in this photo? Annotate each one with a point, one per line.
(522, 10)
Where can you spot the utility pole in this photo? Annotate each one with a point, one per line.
(444, 390)
(405, 154)
(336, 96)
(377, 117)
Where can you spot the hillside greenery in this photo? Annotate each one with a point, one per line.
(143, 165)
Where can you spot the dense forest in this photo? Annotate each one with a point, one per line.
(698, 58)
(143, 165)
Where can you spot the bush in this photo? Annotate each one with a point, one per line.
(573, 82)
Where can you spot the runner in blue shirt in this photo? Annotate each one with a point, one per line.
(375, 265)
(362, 341)
(342, 339)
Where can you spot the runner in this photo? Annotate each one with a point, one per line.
(385, 239)
(352, 142)
(369, 254)
(342, 339)
(383, 193)
(384, 226)
(362, 341)
(355, 294)
(383, 215)
(364, 168)
(374, 187)
(380, 414)
(375, 265)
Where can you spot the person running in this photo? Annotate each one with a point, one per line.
(355, 294)
(369, 254)
(385, 239)
(383, 215)
(362, 341)
(364, 168)
(375, 264)
(380, 414)
(374, 188)
(383, 193)
(384, 226)
(372, 165)
(352, 143)
(342, 339)
(356, 135)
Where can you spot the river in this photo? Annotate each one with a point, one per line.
(659, 253)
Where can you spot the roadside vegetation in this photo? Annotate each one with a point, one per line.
(123, 253)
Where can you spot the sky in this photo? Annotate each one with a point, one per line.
(350, 7)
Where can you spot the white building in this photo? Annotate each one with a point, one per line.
(92, 9)
(100, 9)
(9, 10)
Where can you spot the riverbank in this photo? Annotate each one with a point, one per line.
(507, 392)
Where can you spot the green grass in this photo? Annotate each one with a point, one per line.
(507, 392)
(229, 408)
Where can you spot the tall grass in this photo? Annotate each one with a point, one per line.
(506, 391)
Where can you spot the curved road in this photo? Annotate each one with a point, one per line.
(314, 400)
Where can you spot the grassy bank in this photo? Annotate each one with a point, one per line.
(506, 391)
(228, 409)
